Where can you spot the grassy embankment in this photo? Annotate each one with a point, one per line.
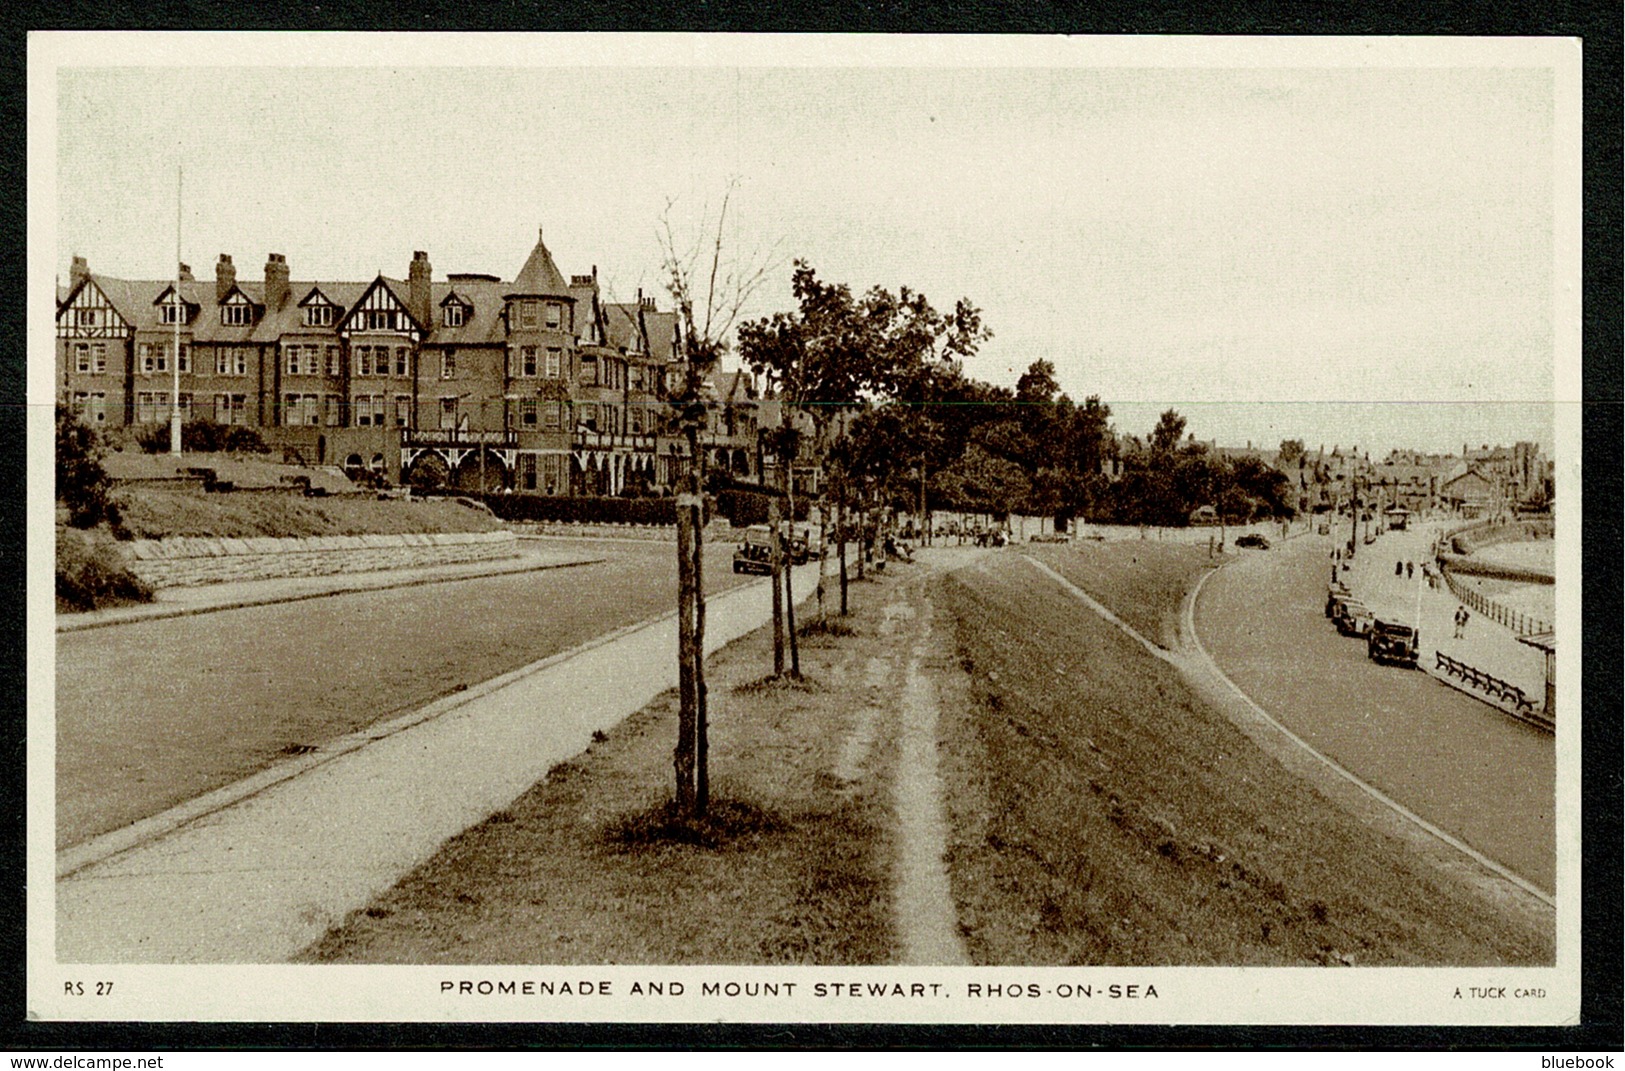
(156, 513)
(1104, 813)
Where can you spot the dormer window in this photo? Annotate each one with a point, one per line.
(453, 316)
(318, 316)
(236, 315)
(172, 313)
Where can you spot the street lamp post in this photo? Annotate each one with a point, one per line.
(1354, 514)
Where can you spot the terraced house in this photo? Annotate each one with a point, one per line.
(533, 385)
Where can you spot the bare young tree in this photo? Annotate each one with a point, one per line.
(710, 291)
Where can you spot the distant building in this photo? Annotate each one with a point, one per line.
(1471, 493)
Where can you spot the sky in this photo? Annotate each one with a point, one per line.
(1342, 254)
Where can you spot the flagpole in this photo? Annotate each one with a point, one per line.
(175, 362)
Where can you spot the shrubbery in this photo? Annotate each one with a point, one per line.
(202, 437)
(90, 575)
(581, 510)
(744, 507)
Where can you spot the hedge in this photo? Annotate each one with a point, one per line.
(744, 507)
(565, 508)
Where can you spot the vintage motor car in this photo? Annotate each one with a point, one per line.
(1352, 617)
(755, 553)
(1393, 640)
(1334, 591)
(798, 544)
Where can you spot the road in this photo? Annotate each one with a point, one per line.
(152, 714)
(1467, 768)
(263, 868)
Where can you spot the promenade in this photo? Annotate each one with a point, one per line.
(1484, 645)
(1461, 764)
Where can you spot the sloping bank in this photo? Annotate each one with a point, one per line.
(1105, 812)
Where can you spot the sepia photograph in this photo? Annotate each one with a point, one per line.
(684, 528)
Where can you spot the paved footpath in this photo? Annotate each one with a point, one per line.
(1483, 645)
(256, 872)
(182, 602)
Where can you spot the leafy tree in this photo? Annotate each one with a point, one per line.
(1037, 385)
(979, 482)
(1010, 440)
(1166, 436)
(1291, 450)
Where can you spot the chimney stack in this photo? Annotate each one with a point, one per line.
(78, 272)
(276, 281)
(186, 273)
(225, 277)
(418, 293)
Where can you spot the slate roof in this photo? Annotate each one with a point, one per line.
(290, 319)
(733, 387)
(484, 327)
(1402, 474)
(587, 308)
(621, 327)
(134, 299)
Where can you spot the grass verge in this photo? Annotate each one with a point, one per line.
(1142, 581)
(592, 866)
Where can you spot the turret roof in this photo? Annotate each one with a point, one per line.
(540, 277)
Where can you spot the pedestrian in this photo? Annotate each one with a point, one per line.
(1399, 568)
(1410, 570)
(1461, 620)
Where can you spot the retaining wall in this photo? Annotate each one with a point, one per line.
(191, 562)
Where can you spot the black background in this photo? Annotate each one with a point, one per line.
(1596, 23)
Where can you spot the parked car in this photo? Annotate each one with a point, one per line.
(1334, 591)
(755, 553)
(1352, 617)
(1253, 539)
(799, 544)
(1393, 640)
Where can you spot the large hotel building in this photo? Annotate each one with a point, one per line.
(533, 385)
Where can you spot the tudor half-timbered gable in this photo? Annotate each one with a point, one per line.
(381, 336)
(532, 385)
(93, 352)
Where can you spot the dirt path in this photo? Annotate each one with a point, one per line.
(891, 745)
(927, 923)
